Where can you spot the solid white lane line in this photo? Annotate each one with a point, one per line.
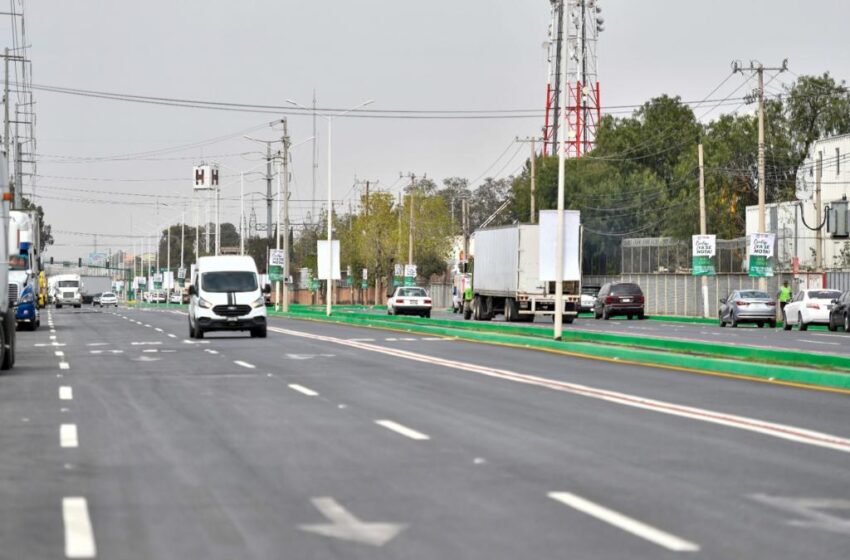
(59, 353)
(781, 431)
(64, 365)
(68, 435)
(66, 393)
(244, 364)
(79, 537)
(303, 390)
(403, 430)
(627, 524)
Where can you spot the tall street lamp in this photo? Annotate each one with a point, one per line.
(330, 119)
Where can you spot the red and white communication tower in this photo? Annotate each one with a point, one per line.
(574, 34)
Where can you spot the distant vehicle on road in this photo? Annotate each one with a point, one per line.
(107, 299)
(839, 315)
(809, 307)
(175, 297)
(747, 306)
(156, 296)
(226, 296)
(411, 300)
(95, 300)
(66, 290)
(619, 298)
(588, 298)
(460, 283)
(91, 285)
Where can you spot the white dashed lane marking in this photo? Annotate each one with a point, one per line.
(303, 390)
(64, 365)
(244, 364)
(403, 430)
(66, 393)
(68, 436)
(79, 537)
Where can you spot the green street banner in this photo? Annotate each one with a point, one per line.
(760, 250)
(704, 250)
(410, 275)
(157, 281)
(276, 262)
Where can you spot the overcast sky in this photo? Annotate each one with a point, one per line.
(441, 54)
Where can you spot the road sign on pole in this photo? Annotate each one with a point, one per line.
(277, 260)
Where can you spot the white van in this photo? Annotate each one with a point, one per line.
(225, 295)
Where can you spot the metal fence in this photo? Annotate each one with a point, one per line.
(665, 255)
(681, 294)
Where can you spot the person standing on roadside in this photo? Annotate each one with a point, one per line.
(784, 295)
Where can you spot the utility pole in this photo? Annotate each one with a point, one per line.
(533, 201)
(6, 103)
(464, 208)
(702, 225)
(315, 161)
(182, 236)
(759, 69)
(559, 235)
(285, 302)
(398, 237)
(819, 210)
(268, 189)
(412, 223)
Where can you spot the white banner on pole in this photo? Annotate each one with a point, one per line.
(548, 241)
(322, 258)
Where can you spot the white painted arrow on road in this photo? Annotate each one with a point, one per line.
(345, 526)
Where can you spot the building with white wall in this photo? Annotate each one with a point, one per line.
(793, 221)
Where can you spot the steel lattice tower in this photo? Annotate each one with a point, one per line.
(574, 33)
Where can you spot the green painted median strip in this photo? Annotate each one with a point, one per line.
(770, 364)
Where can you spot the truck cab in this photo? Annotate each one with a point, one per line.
(66, 290)
(24, 265)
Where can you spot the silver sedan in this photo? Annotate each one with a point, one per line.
(748, 306)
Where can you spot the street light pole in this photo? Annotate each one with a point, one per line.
(329, 118)
(241, 212)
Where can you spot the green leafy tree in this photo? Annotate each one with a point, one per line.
(46, 233)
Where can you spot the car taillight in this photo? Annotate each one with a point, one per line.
(399, 300)
(611, 299)
(771, 304)
(639, 299)
(812, 305)
(428, 301)
(741, 303)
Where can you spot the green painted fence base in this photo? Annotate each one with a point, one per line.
(616, 348)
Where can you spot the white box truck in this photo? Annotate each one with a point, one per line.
(514, 270)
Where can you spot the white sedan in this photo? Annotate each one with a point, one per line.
(809, 307)
(410, 300)
(107, 299)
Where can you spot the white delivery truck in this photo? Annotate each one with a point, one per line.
(91, 286)
(514, 270)
(66, 290)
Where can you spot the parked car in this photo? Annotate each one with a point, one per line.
(157, 296)
(588, 298)
(839, 315)
(809, 307)
(175, 297)
(107, 299)
(747, 306)
(410, 300)
(619, 298)
(95, 300)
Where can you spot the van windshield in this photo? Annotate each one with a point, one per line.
(229, 281)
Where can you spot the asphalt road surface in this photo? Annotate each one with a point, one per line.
(124, 439)
(813, 340)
